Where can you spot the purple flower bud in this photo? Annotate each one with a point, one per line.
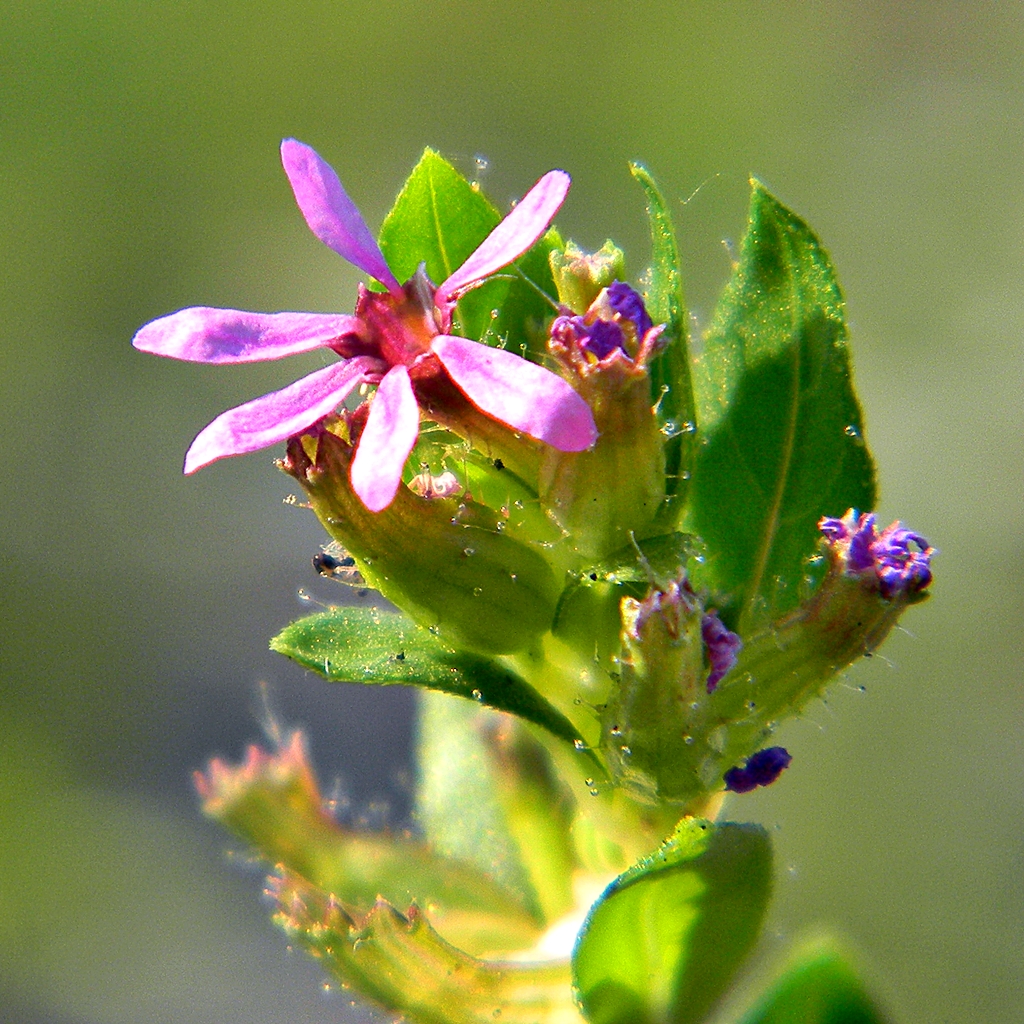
(901, 568)
(722, 646)
(896, 560)
(761, 769)
(602, 338)
(616, 323)
(628, 304)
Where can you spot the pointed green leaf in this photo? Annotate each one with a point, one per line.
(781, 436)
(364, 645)
(819, 986)
(666, 938)
(439, 218)
(671, 384)
(400, 963)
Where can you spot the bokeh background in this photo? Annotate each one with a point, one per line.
(139, 173)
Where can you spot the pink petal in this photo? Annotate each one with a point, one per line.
(265, 421)
(511, 238)
(202, 334)
(520, 394)
(329, 212)
(389, 435)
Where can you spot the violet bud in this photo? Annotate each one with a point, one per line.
(761, 769)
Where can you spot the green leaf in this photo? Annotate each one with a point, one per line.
(665, 939)
(781, 435)
(364, 645)
(819, 986)
(399, 962)
(439, 218)
(671, 383)
(486, 796)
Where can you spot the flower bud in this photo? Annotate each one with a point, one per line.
(646, 719)
(445, 561)
(579, 276)
(870, 581)
(675, 731)
(611, 492)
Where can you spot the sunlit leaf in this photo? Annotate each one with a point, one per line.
(666, 938)
(781, 435)
(364, 645)
(438, 219)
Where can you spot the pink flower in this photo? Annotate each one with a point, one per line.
(390, 335)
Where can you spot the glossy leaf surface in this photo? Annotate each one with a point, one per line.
(781, 434)
(364, 645)
(439, 218)
(666, 938)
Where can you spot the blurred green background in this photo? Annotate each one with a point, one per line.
(139, 173)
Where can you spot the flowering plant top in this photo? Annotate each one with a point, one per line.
(616, 568)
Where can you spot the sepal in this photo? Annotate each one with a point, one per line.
(446, 562)
(402, 964)
(579, 276)
(272, 802)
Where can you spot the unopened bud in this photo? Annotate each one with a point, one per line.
(614, 490)
(579, 276)
(661, 675)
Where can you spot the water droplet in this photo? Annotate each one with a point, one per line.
(477, 695)
(851, 431)
(669, 428)
(481, 163)
(688, 427)
(579, 744)
(717, 738)
(616, 731)
(477, 591)
(495, 313)
(626, 751)
(688, 740)
(469, 552)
